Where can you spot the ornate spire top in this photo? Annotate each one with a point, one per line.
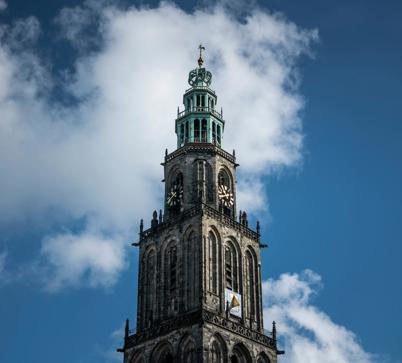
(200, 60)
(200, 76)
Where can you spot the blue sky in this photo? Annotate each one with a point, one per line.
(334, 196)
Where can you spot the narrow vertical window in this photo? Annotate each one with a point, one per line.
(181, 135)
(203, 100)
(231, 268)
(213, 262)
(204, 130)
(251, 282)
(213, 132)
(173, 271)
(198, 100)
(196, 130)
(228, 268)
(171, 285)
(186, 133)
(218, 134)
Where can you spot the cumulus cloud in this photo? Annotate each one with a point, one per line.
(307, 333)
(98, 158)
(3, 5)
(87, 258)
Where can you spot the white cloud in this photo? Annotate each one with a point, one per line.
(308, 334)
(3, 5)
(100, 158)
(85, 258)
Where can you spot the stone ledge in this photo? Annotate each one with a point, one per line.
(198, 317)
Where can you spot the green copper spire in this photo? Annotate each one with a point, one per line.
(199, 122)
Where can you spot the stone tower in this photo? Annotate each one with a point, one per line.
(199, 280)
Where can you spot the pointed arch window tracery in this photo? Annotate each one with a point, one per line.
(232, 267)
(149, 286)
(171, 278)
(213, 263)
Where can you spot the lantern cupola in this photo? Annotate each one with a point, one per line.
(199, 122)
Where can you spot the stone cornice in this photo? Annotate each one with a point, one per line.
(200, 209)
(203, 148)
(198, 317)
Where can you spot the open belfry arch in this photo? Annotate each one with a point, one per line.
(199, 280)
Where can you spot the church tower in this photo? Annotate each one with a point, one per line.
(199, 280)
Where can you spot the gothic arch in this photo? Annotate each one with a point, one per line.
(225, 176)
(218, 352)
(149, 286)
(233, 263)
(225, 180)
(263, 358)
(253, 293)
(162, 353)
(137, 357)
(213, 262)
(170, 273)
(240, 354)
(187, 352)
(175, 176)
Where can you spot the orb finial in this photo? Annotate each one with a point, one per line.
(200, 60)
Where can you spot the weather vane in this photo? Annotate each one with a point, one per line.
(200, 60)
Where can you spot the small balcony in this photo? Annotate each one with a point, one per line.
(200, 109)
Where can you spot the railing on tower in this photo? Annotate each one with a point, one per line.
(201, 109)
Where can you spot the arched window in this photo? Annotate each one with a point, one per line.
(187, 350)
(224, 179)
(250, 267)
(232, 267)
(240, 354)
(204, 130)
(263, 358)
(137, 358)
(213, 261)
(162, 353)
(150, 289)
(216, 353)
(226, 193)
(212, 104)
(179, 179)
(198, 100)
(171, 283)
(217, 350)
(196, 130)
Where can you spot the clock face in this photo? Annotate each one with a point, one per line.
(225, 195)
(175, 196)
